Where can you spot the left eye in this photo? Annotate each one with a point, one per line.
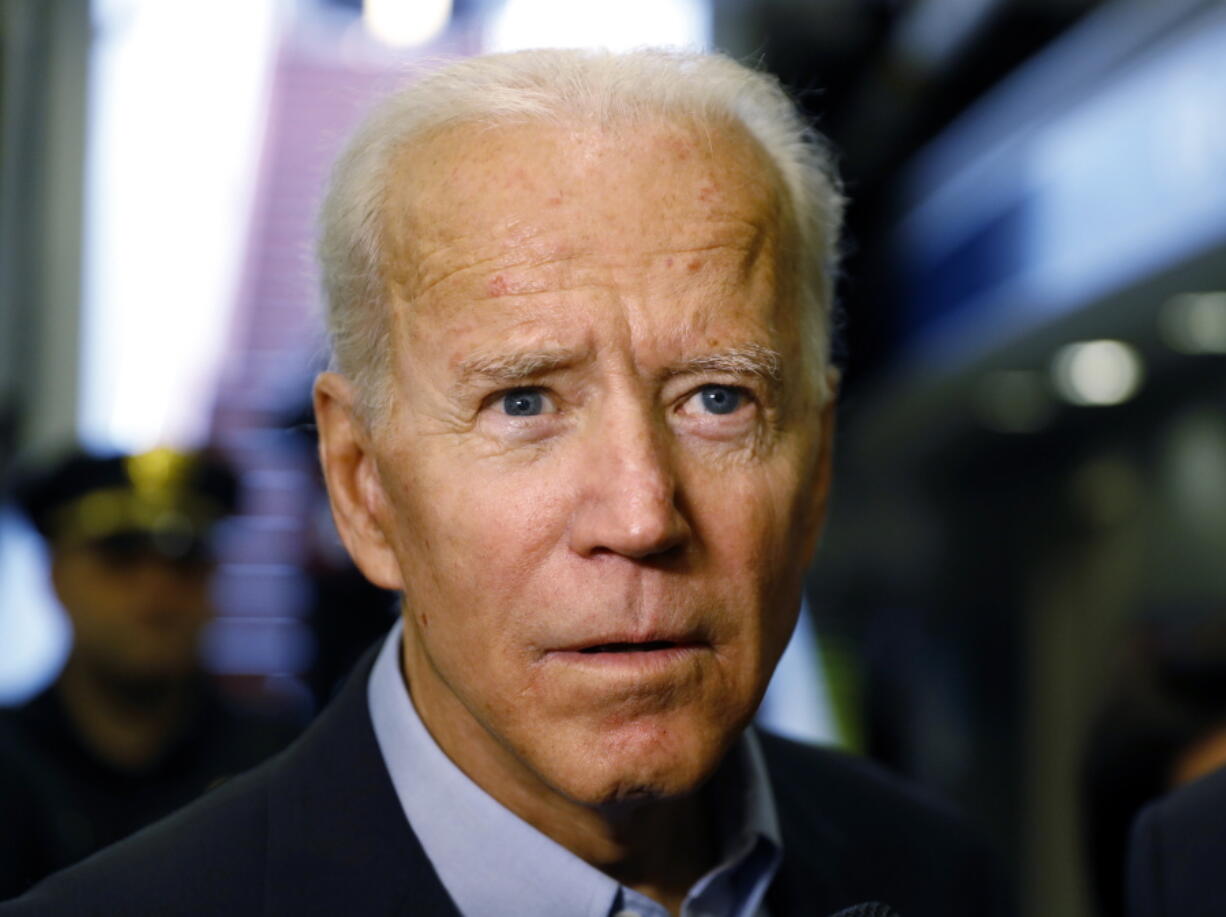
(719, 399)
(525, 402)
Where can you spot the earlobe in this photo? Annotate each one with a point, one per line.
(355, 491)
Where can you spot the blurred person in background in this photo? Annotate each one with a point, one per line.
(131, 729)
(1161, 727)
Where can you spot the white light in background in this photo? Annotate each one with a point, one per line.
(34, 633)
(798, 702)
(177, 108)
(1097, 373)
(406, 23)
(616, 26)
(1195, 322)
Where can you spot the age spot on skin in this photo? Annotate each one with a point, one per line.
(694, 264)
(497, 286)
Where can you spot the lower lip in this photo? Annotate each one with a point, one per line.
(635, 660)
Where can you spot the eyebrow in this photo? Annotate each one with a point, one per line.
(750, 360)
(504, 369)
(508, 369)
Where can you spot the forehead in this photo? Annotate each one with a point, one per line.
(672, 231)
(474, 193)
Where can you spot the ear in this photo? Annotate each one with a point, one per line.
(359, 505)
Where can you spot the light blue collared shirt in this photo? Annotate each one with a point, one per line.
(494, 863)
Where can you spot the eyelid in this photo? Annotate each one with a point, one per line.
(737, 386)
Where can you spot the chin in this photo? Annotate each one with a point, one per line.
(643, 762)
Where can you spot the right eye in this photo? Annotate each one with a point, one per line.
(721, 399)
(526, 402)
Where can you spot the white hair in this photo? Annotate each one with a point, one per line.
(562, 86)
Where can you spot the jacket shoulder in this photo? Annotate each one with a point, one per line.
(851, 826)
(853, 790)
(1178, 846)
(205, 859)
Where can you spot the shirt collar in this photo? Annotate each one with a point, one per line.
(486, 856)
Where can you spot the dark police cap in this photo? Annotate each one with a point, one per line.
(169, 495)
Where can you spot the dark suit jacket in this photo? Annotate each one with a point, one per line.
(1177, 864)
(319, 830)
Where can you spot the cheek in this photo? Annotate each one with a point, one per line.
(468, 538)
(753, 530)
(747, 519)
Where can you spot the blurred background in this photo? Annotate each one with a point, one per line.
(1021, 595)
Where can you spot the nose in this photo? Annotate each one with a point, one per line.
(629, 500)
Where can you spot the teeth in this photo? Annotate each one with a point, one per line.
(630, 647)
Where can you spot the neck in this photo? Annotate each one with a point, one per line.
(660, 850)
(128, 723)
(657, 847)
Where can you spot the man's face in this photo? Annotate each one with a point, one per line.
(136, 617)
(603, 472)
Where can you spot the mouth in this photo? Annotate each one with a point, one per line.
(629, 656)
(647, 646)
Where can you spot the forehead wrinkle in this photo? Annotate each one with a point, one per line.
(542, 242)
(531, 243)
(519, 257)
(521, 277)
(425, 278)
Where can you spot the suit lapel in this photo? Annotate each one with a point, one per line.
(338, 840)
(815, 850)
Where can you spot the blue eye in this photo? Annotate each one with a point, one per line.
(523, 402)
(721, 399)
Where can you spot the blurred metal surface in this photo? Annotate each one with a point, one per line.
(45, 60)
